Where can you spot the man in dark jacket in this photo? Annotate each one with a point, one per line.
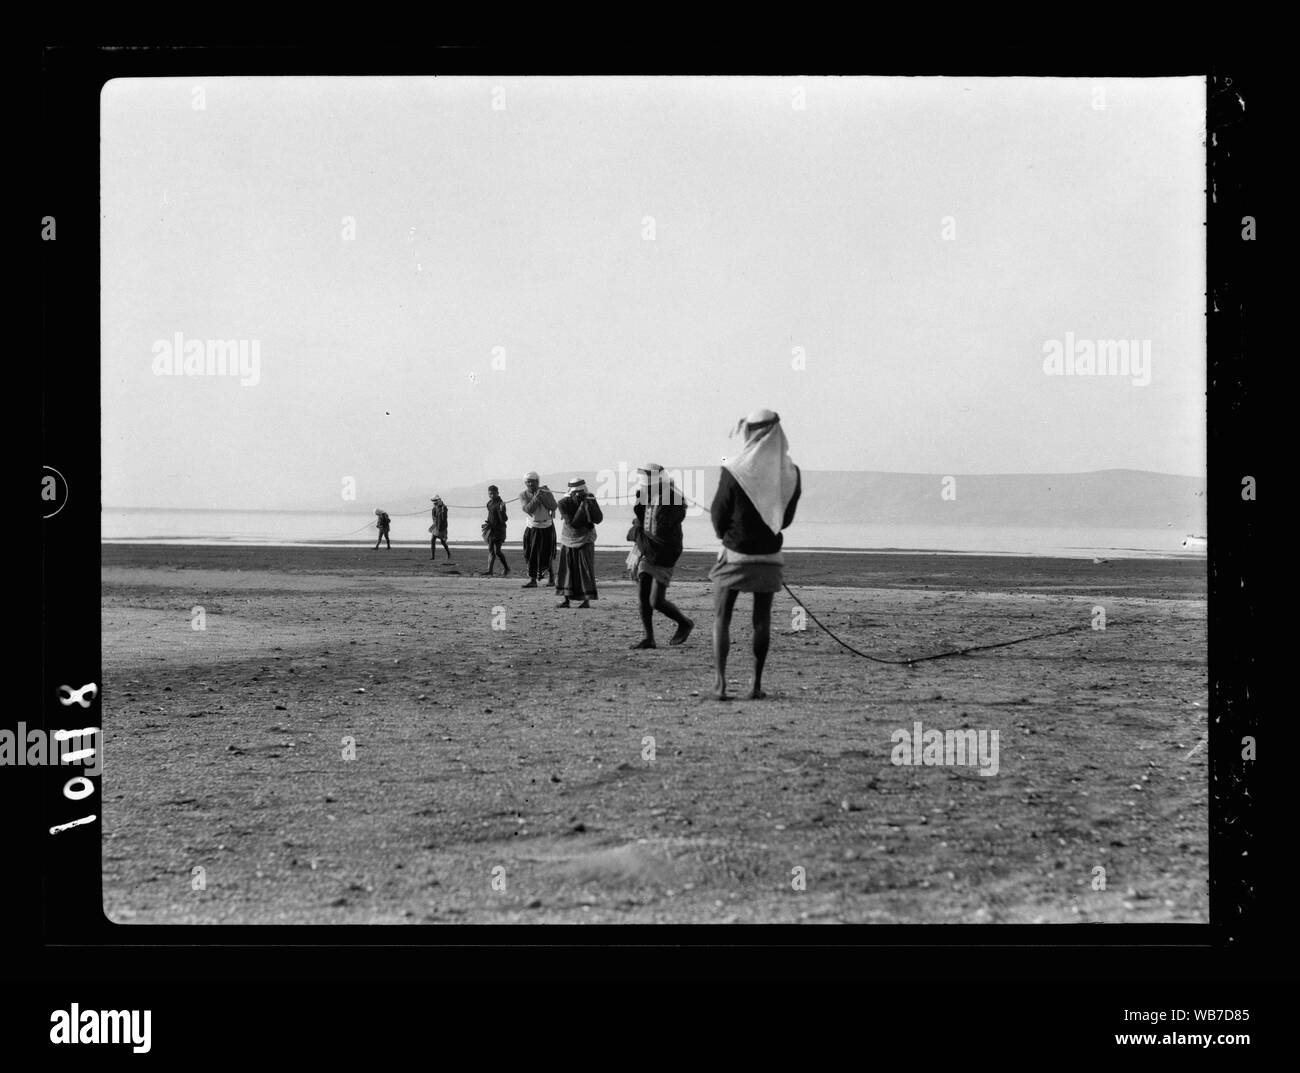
(382, 525)
(657, 533)
(758, 491)
(439, 527)
(494, 531)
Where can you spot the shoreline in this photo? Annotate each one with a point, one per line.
(1162, 578)
(1141, 554)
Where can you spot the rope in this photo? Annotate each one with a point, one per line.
(938, 655)
(449, 506)
(411, 514)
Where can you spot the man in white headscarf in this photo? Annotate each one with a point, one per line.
(539, 535)
(756, 498)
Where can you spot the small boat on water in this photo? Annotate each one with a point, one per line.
(1195, 542)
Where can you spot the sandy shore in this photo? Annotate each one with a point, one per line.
(504, 769)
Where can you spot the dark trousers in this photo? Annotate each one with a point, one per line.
(539, 548)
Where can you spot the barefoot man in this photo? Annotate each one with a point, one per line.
(494, 531)
(756, 498)
(539, 536)
(657, 533)
(438, 528)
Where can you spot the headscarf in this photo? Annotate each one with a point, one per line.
(531, 475)
(657, 487)
(577, 485)
(763, 467)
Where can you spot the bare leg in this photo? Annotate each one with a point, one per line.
(647, 615)
(724, 602)
(762, 638)
(443, 541)
(659, 600)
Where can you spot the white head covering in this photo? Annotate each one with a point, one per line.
(657, 487)
(576, 484)
(531, 475)
(763, 467)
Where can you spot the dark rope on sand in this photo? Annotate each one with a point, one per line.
(938, 655)
(915, 659)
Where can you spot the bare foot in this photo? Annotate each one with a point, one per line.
(719, 691)
(683, 632)
(645, 642)
(755, 694)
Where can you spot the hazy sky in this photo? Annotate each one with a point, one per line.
(922, 240)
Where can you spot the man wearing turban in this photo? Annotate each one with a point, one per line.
(576, 577)
(657, 533)
(539, 535)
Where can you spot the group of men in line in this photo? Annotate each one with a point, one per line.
(757, 493)
(568, 563)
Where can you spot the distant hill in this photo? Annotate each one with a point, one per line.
(1114, 498)
(1128, 499)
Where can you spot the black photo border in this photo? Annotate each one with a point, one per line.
(76, 942)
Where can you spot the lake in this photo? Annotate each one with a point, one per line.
(300, 527)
